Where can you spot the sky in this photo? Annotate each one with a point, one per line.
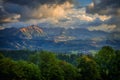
(99, 15)
(84, 2)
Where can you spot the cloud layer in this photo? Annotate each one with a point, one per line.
(14, 10)
(108, 7)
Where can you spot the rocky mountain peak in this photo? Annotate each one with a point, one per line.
(32, 31)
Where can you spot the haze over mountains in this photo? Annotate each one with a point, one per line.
(53, 39)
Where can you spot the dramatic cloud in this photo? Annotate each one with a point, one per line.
(108, 7)
(32, 9)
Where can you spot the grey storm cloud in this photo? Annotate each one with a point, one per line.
(29, 2)
(108, 7)
(15, 10)
(6, 17)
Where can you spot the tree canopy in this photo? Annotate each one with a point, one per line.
(44, 65)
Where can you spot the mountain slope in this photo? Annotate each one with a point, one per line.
(32, 31)
(20, 38)
(54, 39)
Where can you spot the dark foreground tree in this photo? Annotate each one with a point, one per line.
(70, 71)
(1, 56)
(104, 58)
(114, 68)
(21, 70)
(88, 68)
(28, 71)
(48, 64)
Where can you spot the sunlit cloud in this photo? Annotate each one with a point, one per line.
(103, 27)
(10, 18)
(55, 11)
(104, 17)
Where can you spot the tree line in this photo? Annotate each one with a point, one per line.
(44, 65)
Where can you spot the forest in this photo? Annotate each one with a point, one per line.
(45, 65)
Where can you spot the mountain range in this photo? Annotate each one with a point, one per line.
(53, 39)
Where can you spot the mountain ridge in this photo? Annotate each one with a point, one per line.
(36, 38)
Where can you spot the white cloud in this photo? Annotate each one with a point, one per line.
(103, 27)
(82, 15)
